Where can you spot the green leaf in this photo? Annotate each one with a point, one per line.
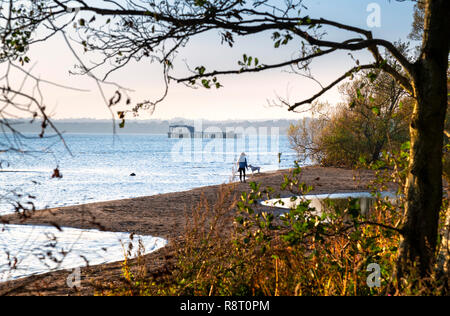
(205, 83)
(275, 35)
(201, 70)
(200, 3)
(372, 76)
(406, 146)
(359, 94)
(376, 111)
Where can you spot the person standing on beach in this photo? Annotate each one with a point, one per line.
(242, 163)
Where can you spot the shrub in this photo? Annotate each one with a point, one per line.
(374, 117)
(236, 247)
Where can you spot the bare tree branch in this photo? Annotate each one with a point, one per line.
(331, 85)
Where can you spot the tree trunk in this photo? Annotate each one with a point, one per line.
(424, 183)
(377, 150)
(443, 264)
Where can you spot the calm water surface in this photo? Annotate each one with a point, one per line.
(99, 167)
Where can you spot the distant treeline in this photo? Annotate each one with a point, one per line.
(145, 126)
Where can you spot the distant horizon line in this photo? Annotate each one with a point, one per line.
(80, 120)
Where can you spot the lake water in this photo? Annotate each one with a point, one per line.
(316, 201)
(99, 166)
(28, 250)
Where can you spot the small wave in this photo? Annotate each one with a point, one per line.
(22, 171)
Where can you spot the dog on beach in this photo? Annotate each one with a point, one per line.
(253, 168)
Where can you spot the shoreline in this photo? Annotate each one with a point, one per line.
(162, 215)
(93, 200)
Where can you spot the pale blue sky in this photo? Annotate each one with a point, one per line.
(244, 96)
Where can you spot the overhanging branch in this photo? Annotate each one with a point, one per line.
(144, 29)
(256, 69)
(331, 85)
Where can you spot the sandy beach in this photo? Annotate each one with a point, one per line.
(162, 215)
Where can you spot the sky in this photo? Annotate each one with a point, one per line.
(247, 96)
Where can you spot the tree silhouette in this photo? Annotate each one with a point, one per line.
(124, 31)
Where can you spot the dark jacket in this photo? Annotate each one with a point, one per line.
(243, 164)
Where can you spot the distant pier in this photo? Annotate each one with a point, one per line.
(187, 131)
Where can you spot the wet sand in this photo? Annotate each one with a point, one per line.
(162, 215)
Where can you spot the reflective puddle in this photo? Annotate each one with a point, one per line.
(365, 200)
